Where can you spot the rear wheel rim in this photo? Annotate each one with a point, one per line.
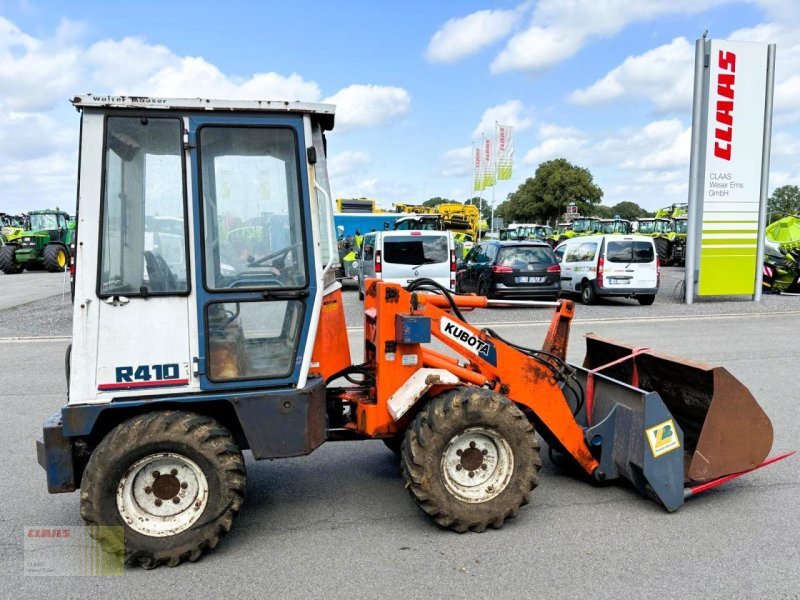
(477, 465)
(162, 494)
(61, 259)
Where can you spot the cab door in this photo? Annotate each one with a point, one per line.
(256, 284)
(143, 283)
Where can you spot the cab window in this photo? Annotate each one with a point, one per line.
(143, 187)
(581, 252)
(368, 247)
(252, 224)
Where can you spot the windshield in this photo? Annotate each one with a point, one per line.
(681, 226)
(415, 250)
(614, 227)
(630, 252)
(416, 225)
(42, 222)
(583, 225)
(648, 227)
(253, 232)
(526, 257)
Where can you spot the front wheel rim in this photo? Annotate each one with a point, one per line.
(162, 494)
(477, 465)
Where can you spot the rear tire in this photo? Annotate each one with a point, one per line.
(587, 294)
(646, 300)
(121, 489)
(55, 258)
(8, 263)
(663, 249)
(470, 459)
(483, 288)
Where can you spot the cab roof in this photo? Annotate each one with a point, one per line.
(325, 112)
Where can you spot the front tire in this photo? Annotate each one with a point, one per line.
(8, 262)
(55, 258)
(170, 482)
(471, 459)
(483, 289)
(588, 295)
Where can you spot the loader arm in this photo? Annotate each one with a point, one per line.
(533, 382)
(532, 379)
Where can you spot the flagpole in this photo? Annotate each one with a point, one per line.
(496, 171)
(480, 192)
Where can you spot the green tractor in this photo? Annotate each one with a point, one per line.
(11, 226)
(43, 245)
(670, 240)
(577, 227)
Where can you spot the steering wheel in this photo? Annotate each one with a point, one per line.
(273, 255)
(158, 272)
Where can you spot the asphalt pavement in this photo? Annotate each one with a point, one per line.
(338, 523)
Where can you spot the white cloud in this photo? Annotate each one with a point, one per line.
(659, 145)
(558, 142)
(347, 163)
(463, 36)
(36, 74)
(457, 162)
(648, 165)
(510, 113)
(369, 105)
(663, 75)
(559, 29)
(38, 135)
(538, 48)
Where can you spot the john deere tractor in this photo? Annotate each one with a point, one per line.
(45, 245)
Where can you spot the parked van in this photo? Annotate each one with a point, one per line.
(403, 256)
(610, 265)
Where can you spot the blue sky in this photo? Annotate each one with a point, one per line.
(606, 84)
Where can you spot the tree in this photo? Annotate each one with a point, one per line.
(784, 202)
(545, 196)
(601, 211)
(628, 210)
(434, 202)
(486, 212)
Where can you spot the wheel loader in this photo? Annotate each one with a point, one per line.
(185, 354)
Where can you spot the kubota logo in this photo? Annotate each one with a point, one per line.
(663, 438)
(464, 338)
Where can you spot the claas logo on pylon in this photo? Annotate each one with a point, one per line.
(663, 438)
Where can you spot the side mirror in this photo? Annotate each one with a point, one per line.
(459, 263)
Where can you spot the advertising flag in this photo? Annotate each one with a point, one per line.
(477, 175)
(489, 164)
(505, 151)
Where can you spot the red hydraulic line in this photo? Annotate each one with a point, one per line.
(696, 489)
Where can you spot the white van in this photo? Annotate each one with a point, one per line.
(403, 256)
(610, 265)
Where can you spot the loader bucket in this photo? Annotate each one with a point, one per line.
(725, 431)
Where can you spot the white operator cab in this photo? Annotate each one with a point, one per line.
(193, 215)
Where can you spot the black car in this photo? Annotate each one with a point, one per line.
(504, 269)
